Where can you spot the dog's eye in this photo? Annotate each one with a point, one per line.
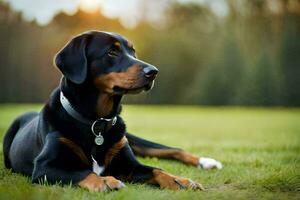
(113, 52)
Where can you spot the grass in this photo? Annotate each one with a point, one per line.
(259, 148)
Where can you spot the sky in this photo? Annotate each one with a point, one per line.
(129, 12)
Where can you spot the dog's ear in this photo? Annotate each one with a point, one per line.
(71, 59)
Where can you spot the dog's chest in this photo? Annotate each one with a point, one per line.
(97, 168)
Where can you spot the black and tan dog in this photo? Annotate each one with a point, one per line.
(79, 137)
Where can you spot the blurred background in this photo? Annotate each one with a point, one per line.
(209, 52)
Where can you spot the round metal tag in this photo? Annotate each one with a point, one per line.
(99, 140)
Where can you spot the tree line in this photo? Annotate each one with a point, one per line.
(251, 56)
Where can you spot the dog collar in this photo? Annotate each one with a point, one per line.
(98, 126)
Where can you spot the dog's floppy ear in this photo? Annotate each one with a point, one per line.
(71, 59)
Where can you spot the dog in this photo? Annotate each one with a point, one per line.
(79, 137)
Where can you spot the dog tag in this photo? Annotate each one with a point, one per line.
(99, 140)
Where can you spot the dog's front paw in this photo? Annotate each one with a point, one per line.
(95, 183)
(209, 163)
(186, 183)
(166, 180)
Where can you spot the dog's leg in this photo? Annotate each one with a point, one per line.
(62, 161)
(133, 171)
(142, 147)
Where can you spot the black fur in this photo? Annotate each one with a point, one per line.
(32, 146)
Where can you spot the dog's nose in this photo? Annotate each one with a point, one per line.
(150, 71)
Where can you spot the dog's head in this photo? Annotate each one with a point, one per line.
(106, 60)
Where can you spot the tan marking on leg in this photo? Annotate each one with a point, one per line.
(114, 150)
(187, 158)
(177, 154)
(76, 149)
(169, 181)
(96, 183)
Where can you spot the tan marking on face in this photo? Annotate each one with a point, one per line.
(104, 104)
(129, 44)
(76, 149)
(117, 44)
(128, 79)
(114, 150)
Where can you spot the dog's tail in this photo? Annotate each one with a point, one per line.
(11, 133)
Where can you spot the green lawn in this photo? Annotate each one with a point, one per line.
(259, 148)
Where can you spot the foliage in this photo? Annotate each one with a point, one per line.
(248, 57)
